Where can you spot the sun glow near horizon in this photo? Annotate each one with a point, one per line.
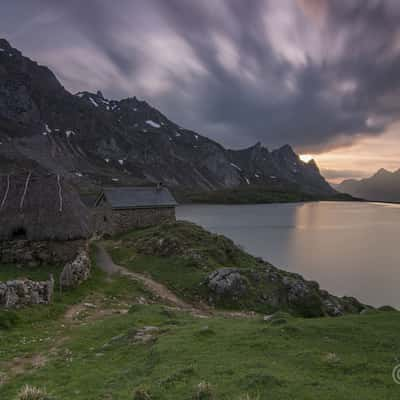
(306, 157)
(361, 159)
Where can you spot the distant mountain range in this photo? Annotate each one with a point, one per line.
(97, 141)
(382, 186)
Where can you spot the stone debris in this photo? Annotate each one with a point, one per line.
(24, 292)
(76, 272)
(147, 334)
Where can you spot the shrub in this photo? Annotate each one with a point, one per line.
(32, 393)
(204, 391)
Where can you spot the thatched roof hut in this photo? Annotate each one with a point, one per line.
(41, 207)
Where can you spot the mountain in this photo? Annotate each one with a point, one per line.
(94, 140)
(382, 186)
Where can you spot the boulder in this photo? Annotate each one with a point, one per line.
(227, 282)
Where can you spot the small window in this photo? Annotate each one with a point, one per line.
(105, 219)
(19, 233)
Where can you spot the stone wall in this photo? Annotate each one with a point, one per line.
(77, 271)
(33, 253)
(24, 292)
(124, 220)
(102, 220)
(108, 221)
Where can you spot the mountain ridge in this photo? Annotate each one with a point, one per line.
(95, 140)
(381, 186)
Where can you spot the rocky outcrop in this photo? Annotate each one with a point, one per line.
(227, 282)
(77, 271)
(24, 292)
(270, 289)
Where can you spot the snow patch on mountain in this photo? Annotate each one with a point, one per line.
(153, 124)
(93, 102)
(68, 133)
(236, 166)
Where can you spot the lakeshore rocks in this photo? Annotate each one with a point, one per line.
(24, 292)
(227, 282)
(271, 289)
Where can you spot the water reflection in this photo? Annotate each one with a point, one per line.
(349, 248)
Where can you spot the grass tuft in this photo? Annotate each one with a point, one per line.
(141, 394)
(8, 319)
(204, 391)
(32, 393)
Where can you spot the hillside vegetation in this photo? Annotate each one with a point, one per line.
(111, 339)
(256, 194)
(201, 266)
(87, 347)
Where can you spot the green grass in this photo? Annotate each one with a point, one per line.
(189, 255)
(31, 327)
(96, 357)
(10, 271)
(182, 255)
(349, 357)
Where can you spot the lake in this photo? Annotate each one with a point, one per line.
(350, 248)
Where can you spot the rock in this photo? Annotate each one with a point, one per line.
(147, 334)
(77, 271)
(23, 292)
(266, 287)
(268, 317)
(226, 281)
(117, 338)
(163, 247)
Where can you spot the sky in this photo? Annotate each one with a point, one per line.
(321, 75)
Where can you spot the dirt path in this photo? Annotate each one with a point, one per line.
(105, 263)
(20, 365)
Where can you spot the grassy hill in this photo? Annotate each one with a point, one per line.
(112, 339)
(185, 257)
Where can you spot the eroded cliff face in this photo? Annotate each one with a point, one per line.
(92, 139)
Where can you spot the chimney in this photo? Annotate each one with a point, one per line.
(159, 186)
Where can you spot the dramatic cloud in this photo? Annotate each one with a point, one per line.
(317, 74)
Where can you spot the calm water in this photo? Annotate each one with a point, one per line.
(349, 248)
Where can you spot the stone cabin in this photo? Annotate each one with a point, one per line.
(119, 209)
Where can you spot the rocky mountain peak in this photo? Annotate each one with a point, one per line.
(5, 45)
(312, 164)
(94, 139)
(382, 172)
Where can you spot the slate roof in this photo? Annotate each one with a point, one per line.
(139, 197)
